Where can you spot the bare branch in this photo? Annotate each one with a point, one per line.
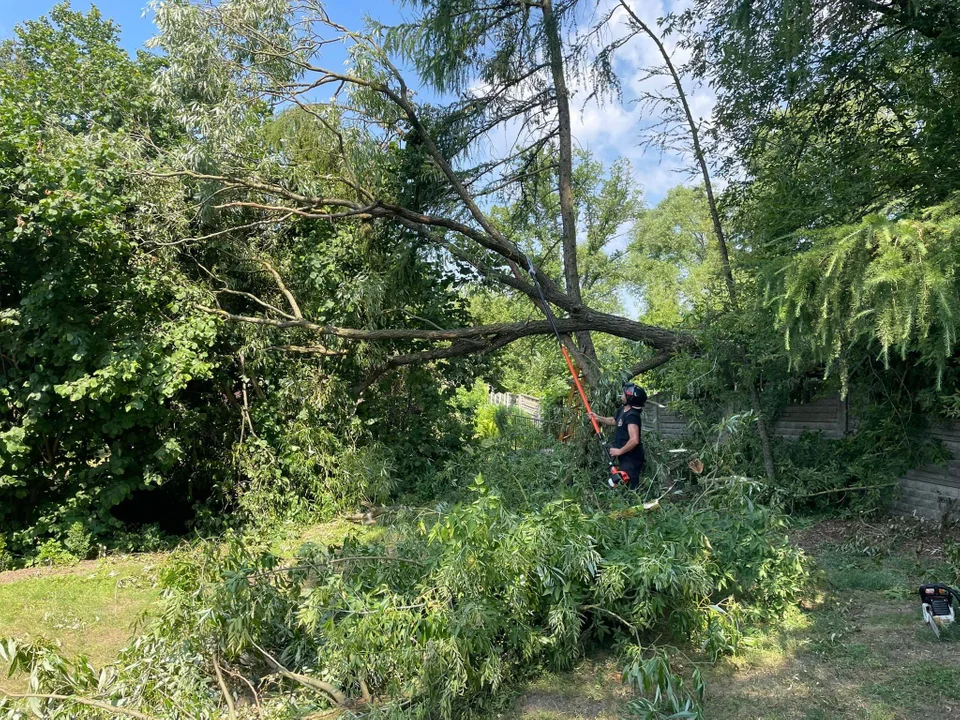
(201, 238)
(651, 363)
(116, 710)
(331, 692)
(694, 131)
(283, 288)
(231, 710)
(309, 350)
(258, 301)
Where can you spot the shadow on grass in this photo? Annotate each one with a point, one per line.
(857, 649)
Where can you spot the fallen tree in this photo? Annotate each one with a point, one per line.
(226, 57)
(443, 618)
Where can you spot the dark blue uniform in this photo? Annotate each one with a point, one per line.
(633, 461)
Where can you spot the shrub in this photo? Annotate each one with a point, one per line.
(54, 554)
(6, 559)
(78, 541)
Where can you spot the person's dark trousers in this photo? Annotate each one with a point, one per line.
(634, 471)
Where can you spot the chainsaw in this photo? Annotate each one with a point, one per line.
(936, 604)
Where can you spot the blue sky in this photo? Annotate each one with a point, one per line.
(135, 21)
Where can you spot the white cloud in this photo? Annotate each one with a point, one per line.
(616, 128)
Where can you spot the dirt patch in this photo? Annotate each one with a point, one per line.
(537, 703)
(828, 532)
(12, 576)
(901, 534)
(592, 691)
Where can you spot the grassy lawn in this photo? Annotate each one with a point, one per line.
(90, 608)
(855, 650)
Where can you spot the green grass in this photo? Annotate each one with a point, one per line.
(855, 650)
(923, 686)
(89, 609)
(92, 608)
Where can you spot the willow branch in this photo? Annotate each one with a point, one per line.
(331, 692)
(231, 710)
(126, 712)
(651, 363)
(309, 350)
(283, 288)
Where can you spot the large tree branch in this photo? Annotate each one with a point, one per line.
(659, 338)
(468, 223)
(652, 363)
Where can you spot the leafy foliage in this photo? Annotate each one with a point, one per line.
(887, 282)
(104, 364)
(667, 696)
(438, 620)
(674, 265)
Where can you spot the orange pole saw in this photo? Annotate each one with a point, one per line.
(617, 475)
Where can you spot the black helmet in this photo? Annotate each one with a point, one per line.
(636, 395)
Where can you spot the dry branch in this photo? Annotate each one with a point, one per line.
(283, 288)
(331, 692)
(231, 710)
(126, 712)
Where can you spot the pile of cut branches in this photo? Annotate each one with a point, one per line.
(436, 622)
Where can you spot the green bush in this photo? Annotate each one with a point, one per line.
(54, 554)
(6, 559)
(78, 541)
(488, 421)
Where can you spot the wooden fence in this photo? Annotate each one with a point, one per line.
(933, 490)
(527, 404)
(658, 418)
(827, 415)
(929, 492)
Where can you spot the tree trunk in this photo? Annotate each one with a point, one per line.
(763, 432)
(568, 214)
